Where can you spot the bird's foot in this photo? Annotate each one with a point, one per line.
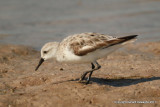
(84, 81)
(81, 80)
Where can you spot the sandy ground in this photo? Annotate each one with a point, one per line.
(129, 74)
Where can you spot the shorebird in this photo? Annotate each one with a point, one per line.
(84, 48)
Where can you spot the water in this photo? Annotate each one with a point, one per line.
(35, 22)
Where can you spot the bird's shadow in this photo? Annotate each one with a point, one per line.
(121, 82)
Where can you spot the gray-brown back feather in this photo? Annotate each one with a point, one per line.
(92, 42)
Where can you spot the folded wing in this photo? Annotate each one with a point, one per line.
(87, 43)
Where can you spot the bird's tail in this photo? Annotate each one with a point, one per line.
(128, 39)
(122, 40)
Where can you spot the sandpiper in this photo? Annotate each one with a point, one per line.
(84, 48)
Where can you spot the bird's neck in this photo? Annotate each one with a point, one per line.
(55, 50)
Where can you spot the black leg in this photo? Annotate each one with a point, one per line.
(84, 74)
(89, 78)
(91, 71)
(98, 67)
(93, 66)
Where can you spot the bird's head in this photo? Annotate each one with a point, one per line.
(48, 51)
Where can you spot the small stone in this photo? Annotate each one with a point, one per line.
(61, 69)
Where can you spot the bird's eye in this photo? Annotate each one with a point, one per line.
(45, 52)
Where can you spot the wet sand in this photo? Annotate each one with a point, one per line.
(129, 74)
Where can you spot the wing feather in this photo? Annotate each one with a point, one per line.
(85, 43)
(88, 42)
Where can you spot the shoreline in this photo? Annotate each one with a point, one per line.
(59, 39)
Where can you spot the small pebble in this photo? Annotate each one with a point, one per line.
(61, 69)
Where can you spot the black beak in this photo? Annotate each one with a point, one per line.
(40, 62)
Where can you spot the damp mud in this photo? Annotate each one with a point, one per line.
(129, 75)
